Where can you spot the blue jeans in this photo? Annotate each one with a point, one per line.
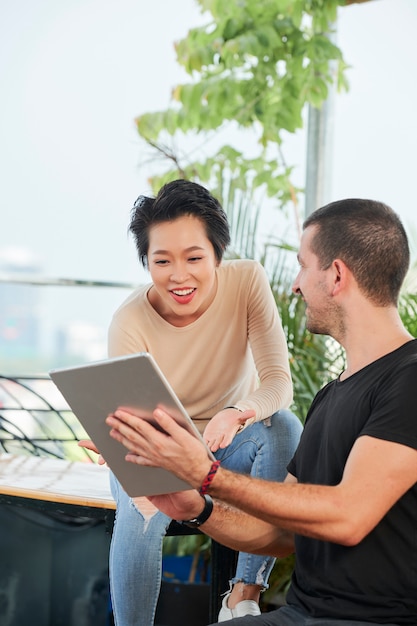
(262, 450)
(292, 616)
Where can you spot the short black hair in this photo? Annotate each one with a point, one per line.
(176, 199)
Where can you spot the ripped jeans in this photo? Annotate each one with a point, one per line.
(262, 450)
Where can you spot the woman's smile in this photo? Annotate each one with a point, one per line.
(183, 296)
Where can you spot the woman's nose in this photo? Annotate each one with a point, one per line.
(179, 273)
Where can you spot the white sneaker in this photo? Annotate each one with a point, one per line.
(245, 607)
(225, 613)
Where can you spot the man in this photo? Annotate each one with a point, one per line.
(349, 504)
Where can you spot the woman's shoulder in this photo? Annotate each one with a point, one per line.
(134, 302)
(241, 266)
(247, 271)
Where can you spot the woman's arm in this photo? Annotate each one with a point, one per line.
(269, 348)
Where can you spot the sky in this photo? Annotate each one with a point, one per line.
(74, 74)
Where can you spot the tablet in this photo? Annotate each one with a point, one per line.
(94, 390)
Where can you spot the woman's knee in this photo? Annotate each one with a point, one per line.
(282, 426)
(286, 427)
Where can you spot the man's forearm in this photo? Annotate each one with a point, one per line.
(286, 507)
(240, 531)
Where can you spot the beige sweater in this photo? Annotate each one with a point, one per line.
(234, 354)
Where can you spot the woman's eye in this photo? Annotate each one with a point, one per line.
(161, 262)
(195, 258)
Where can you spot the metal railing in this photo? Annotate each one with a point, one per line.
(35, 420)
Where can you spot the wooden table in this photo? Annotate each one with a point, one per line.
(48, 484)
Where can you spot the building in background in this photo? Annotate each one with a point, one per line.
(20, 333)
(31, 342)
(78, 342)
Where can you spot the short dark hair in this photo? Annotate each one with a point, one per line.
(176, 199)
(370, 238)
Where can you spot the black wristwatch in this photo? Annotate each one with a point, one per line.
(204, 515)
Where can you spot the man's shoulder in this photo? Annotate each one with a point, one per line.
(404, 355)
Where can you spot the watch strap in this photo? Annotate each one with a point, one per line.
(204, 515)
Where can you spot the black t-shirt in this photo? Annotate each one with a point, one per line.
(376, 580)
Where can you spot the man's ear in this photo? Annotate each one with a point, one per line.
(339, 275)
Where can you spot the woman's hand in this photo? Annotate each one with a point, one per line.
(223, 426)
(89, 445)
(167, 445)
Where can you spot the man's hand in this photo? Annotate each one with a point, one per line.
(170, 446)
(223, 426)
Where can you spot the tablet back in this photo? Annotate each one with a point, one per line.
(94, 390)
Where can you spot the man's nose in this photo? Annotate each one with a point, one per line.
(295, 287)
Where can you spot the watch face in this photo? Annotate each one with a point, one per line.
(192, 523)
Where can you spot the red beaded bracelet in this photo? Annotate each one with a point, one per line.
(207, 481)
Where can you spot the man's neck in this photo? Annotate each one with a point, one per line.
(370, 333)
(371, 351)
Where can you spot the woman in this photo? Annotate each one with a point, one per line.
(214, 330)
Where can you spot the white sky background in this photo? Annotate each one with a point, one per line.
(75, 73)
